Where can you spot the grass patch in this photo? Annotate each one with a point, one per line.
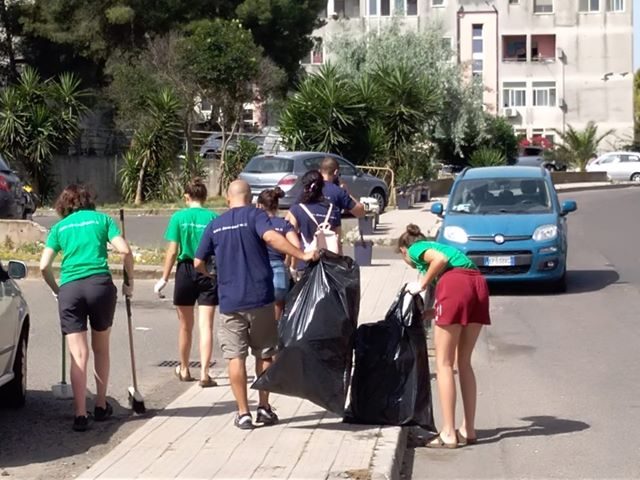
(213, 202)
(31, 252)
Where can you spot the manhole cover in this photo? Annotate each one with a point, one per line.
(175, 363)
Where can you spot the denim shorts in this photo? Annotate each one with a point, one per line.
(280, 279)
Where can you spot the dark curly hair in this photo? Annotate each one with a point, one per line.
(312, 185)
(74, 198)
(269, 198)
(197, 190)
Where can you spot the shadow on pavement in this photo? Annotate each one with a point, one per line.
(540, 426)
(578, 281)
(219, 408)
(41, 431)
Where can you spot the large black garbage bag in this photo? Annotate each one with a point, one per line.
(316, 335)
(391, 380)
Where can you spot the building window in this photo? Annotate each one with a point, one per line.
(406, 7)
(514, 48)
(543, 6)
(477, 39)
(514, 94)
(544, 94)
(543, 48)
(379, 7)
(316, 55)
(615, 5)
(589, 6)
(437, 3)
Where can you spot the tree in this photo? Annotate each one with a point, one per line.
(154, 149)
(224, 62)
(460, 117)
(38, 118)
(577, 147)
(487, 157)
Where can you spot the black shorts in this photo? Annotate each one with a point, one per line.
(92, 298)
(191, 286)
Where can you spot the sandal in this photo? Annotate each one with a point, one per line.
(437, 442)
(463, 441)
(183, 378)
(209, 382)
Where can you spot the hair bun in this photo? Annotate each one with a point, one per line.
(278, 192)
(413, 229)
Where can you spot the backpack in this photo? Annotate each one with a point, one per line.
(324, 237)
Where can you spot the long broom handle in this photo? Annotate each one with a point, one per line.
(127, 303)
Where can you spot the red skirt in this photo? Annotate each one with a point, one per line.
(462, 297)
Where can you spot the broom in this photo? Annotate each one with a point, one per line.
(135, 397)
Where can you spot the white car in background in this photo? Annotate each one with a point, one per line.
(621, 166)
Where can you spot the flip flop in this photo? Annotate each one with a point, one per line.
(437, 442)
(183, 378)
(463, 441)
(209, 382)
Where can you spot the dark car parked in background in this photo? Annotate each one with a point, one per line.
(15, 201)
(285, 170)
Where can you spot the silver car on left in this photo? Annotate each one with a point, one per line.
(14, 336)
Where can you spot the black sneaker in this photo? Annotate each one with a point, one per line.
(244, 421)
(81, 424)
(101, 414)
(266, 416)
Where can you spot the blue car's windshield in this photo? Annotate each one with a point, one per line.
(489, 196)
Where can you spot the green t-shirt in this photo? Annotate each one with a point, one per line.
(456, 258)
(186, 228)
(82, 238)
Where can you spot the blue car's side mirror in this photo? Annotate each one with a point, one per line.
(568, 206)
(437, 209)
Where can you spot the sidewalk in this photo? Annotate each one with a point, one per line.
(194, 437)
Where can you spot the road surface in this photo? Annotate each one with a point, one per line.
(559, 375)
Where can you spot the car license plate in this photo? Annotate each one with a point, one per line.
(499, 261)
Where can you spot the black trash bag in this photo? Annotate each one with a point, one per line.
(316, 335)
(391, 379)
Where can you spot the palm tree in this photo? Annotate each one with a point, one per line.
(38, 118)
(577, 147)
(156, 143)
(487, 157)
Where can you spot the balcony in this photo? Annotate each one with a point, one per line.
(514, 48)
(543, 48)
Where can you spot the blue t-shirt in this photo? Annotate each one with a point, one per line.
(283, 227)
(245, 278)
(306, 226)
(338, 196)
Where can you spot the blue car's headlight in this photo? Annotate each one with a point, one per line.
(456, 234)
(545, 233)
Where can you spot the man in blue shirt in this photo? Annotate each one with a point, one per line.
(336, 193)
(238, 239)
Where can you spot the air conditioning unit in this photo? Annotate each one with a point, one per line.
(510, 112)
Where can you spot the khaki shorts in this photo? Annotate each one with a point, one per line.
(256, 328)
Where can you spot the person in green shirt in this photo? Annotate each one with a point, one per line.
(86, 291)
(183, 234)
(460, 310)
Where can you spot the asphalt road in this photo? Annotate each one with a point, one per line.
(558, 375)
(37, 442)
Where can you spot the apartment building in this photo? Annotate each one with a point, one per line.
(544, 63)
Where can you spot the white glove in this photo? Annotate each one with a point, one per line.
(159, 286)
(414, 288)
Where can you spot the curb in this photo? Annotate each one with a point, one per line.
(389, 453)
(584, 188)
(143, 272)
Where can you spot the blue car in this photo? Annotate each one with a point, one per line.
(509, 221)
